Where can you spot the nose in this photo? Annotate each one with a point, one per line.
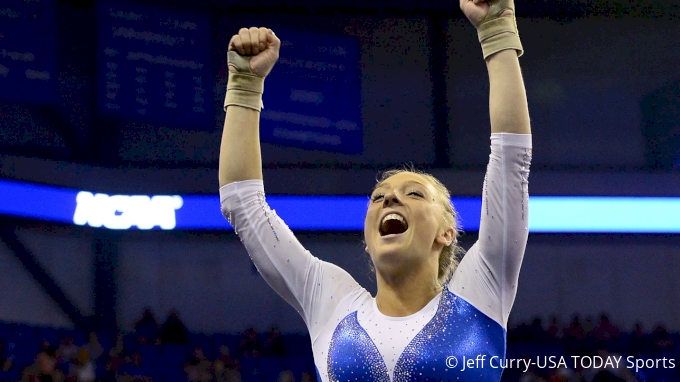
(390, 199)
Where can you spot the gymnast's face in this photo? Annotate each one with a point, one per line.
(404, 223)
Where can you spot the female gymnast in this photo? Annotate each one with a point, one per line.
(432, 318)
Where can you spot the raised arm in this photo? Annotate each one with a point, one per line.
(497, 32)
(240, 156)
(304, 281)
(507, 97)
(488, 274)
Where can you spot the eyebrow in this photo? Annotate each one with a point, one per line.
(385, 184)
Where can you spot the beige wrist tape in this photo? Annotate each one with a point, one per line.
(498, 33)
(244, 88)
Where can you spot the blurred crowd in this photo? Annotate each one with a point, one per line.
(169, 352)
(152, 352)
(586, 344)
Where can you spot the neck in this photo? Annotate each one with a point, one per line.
(407, 293)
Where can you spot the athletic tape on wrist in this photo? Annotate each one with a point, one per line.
(244, 88)
(496, 32)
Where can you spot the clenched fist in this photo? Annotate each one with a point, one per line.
(261, 45)
(477, 10)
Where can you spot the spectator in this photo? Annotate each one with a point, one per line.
(226, 359)
(134, 368)
(605, 331)
(638, 344)
(198, 367)
(5, 359)
(85, 371)
(116, 359)
(662, 342)
(555, 329)
(603, 335)
(274, 345)
(173, 330)
(224, 374)
(67, 349)
(575, 330)
(286, 376)
(44, 369)
(226, 367)
(147, 328)
(588, 325)
(93, 347)
(574, 340)
(67, 356)
(250, 346)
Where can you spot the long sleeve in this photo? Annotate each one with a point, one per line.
(313, 287)
(488, 274)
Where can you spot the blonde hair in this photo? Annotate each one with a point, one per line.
(450, 255)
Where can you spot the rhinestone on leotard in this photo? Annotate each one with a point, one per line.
(524, 175)
(268, 213)
(353, 355)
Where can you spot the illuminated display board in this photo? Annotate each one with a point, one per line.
(199, 212)
(28, 51)
(154, 64)
(313, 96)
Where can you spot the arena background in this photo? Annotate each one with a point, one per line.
(604, 96)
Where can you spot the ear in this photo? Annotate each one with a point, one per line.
(445, 236)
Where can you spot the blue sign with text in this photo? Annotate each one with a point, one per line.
(315, 213)
(28, 51)
(154, 64)
(313, 96)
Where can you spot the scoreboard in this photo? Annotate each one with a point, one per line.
(27, 51)
(154, 64)
(313, 95)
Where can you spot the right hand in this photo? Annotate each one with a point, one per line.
(478, 10)
(261, 44)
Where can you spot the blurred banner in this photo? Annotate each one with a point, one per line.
(322, 213)
(154, 64)
(28, 51)
(313, 96)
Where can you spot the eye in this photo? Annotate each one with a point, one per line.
(417, 193)
(377, 197)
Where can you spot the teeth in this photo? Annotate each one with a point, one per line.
(393, 217)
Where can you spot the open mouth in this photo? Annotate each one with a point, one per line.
(393, 224)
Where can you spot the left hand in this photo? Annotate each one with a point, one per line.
(477, 10)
